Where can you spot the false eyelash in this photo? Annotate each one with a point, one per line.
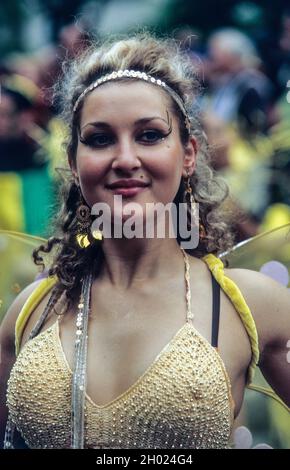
(169, 122)
(162, 135)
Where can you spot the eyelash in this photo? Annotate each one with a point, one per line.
(91, 140)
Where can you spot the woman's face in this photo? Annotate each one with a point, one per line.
(128, 132)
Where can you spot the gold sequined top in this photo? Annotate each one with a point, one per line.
(183, 400)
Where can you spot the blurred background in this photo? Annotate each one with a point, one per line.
(241, 50)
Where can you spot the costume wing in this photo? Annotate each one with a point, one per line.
(266, 419)
(17, 268)
(268, 246)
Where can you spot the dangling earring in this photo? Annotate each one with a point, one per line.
(83, 215)
(188, 195)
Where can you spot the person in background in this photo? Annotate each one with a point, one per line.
(23, 161)
(237, 91)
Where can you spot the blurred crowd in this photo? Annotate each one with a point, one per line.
(245, 110)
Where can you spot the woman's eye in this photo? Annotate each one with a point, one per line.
(96, 140)
(102, 140)
(151, 136)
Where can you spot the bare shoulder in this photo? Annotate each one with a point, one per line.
(7, 327)
(269, 302)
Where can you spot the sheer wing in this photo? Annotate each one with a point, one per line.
(272, 245)
(17, 266)
(267, 419)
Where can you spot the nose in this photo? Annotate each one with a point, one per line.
(126, 157)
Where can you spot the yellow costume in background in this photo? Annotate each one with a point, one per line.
(11, 207)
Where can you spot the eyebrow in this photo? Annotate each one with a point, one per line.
(139, 121)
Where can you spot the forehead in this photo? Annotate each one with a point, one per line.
(121, 99)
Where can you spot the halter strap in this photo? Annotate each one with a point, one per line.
(189, 314)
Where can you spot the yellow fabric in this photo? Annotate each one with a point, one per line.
(231, 289)
(31, 303)
(11, 207)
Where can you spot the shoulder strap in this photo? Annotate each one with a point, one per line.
(31, 303)
(233, 292)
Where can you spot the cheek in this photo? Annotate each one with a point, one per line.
(91, 172)
(87, 164)
(168, 170)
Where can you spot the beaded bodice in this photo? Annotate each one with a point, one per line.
(183, 400)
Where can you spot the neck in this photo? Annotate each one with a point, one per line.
(129, 263)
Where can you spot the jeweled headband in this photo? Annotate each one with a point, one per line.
(141, 76)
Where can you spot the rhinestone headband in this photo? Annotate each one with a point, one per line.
(141, 76)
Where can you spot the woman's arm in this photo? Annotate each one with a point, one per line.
(7, 350)
(269, 303)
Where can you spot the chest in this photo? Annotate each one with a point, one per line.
(181, 401)
(127, 334)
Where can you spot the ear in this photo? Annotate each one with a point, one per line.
(189, 161)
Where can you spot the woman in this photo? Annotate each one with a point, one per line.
(131, 359)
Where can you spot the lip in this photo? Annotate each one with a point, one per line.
(127, 183)
(129, 192)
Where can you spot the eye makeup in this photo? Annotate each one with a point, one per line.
(102, 134)
(103, 139)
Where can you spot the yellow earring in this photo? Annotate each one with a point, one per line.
(83, 239)
(97, 235)
(83, 216)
